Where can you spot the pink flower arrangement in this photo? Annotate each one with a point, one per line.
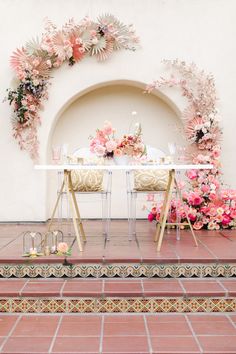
(34, 62)
(105, 144)
(209, 206)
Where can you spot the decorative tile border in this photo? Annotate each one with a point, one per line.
(118, 270)
(117, 305)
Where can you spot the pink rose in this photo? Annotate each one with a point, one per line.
(99, 150)
(233, 213)
(212, 196)
(192, 217)
(226, 220)
(192, 174)
(151, 217)
(205, 188)
(197, 200)
(198, 225)
(111, 145)
(62, 247)
(118, 152)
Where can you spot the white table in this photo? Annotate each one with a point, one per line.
(67, 185)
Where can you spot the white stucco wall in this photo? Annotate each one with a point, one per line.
(202, 31)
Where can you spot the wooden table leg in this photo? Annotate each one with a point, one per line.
(76, 206)
(56, 205)
(73, 210)
(162, 209)
(189, 223)
(166, 207)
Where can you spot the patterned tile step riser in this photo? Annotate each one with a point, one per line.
(117, 305)
(119, 270)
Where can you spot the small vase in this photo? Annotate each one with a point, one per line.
(121, 160)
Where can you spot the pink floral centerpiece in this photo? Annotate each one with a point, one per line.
(105, 144)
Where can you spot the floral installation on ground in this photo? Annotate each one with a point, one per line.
(105, 144)
(209, 205)
(35, 61)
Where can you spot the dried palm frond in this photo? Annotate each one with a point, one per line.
(33, 46)
(19, 59)
(99, 46)
(105, 53)
(43, 69)
(59, 45)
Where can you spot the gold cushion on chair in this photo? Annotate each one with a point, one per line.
(150, 180)
(87, 180)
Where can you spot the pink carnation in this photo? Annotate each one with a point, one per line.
(151, 217)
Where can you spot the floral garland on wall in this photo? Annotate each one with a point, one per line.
(209, 205)
(34, 63)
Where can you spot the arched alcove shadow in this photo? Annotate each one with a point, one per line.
(98, 103)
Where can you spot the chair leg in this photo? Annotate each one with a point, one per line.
(129, 204)
(108, 220)
(133, 214)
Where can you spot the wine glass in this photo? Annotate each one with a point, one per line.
(56, 154)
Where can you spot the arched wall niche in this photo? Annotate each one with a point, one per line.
(88, 103)
(170, 99)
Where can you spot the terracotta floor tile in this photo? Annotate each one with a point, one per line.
(80, 326)
(162, 287)
(125, 344)
(11, 287)
(207, 317)
(125, 328)
(83, 288)
(202, 287)
(81, 345)
(230, 285)
(218, 344)
(44, 288)
(164, 317)
(27, 345)
(122, 288)
(180, 344)
(42, 326)
(169, 328)
(120, 318)
(213, 328)
(6, 324)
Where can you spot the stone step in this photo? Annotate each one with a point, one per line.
(117, 295)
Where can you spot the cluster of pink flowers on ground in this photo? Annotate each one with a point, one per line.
(212, 215)
(34, 62)
(106, 145)
(207, 203)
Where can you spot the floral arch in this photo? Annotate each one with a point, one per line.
(35, 61)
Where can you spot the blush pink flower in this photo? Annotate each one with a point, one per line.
(99, 150)
(111, 145)
(205, 188)
(62, 247)
(192, 174)
(212, 196)
(198, 225)
(233, 213)
(213, 226)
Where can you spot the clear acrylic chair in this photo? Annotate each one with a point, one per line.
(83, 155)
(153, 154)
